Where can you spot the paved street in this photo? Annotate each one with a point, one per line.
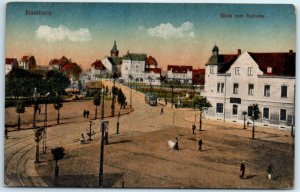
(140, 157)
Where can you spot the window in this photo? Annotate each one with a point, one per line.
(234, 109)
(283, 91)
(249, 71)
(267, 91)
(222, 87)
(218, 87)
(269, 69)
(250, 110)
(237, 70)
(211, 70)
(235, 88)
(266, 113)
(282, 114)
(250, 89)
(219, 108)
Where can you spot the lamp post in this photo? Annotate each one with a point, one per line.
(245, 113)
(45, 125)
(34, 108)
(118, 123)
(90, 133)
(104, 125)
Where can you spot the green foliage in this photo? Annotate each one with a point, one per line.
(58, 103)
(255, 112)
(58, 153)
(38, 134)
(97, 99)
(121, 97)
(20, 108)
(202, 103)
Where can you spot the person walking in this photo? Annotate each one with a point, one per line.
(84, 113)
(242, 170)
(87, 114)
(193, 128)
(200, 142)
(270, 171)
(176, 147)
(162, 110)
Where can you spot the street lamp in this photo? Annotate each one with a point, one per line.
(245, 113)
(34, 108)
(90, 133)
(118, 123)
(45, 125)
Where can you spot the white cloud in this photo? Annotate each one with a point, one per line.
(61, 33)
(167, 30)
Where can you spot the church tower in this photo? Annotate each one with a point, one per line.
(114, 51)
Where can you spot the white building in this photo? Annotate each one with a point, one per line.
(97, 70)
(10, 63)
(183, 74)
(113, 62)
(152, 72)
(133, 65)
(234, 82)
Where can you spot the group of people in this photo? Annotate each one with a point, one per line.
(175, 145)
(270, 170)
(86, 114)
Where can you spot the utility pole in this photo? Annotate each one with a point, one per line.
(102, 111)
(90, 133)
(118, 123)
(103, 125)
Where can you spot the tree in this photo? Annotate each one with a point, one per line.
(58, 153)
(37, 138)
(97, 102)
(121, 98)
(254, 117)
(57, 105)
(20, 108)
(202, 104)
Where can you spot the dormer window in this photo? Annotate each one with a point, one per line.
(269, 69)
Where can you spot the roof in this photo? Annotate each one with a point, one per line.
(54, 62)
(283, 64)
(227, 61)
(115, 60)
(25, 58)
(151, 61)
(155, 70)
(179, 69)
(10, 61)
(135, 56)
(114, 49)
(198, 76)
(67, 66)
(98, 65)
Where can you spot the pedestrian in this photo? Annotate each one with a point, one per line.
(270, 171)
(87, 114)
(176, 147)
(242, 170)
(162, 110)
(200, 142)
(6, 133)
(84, 113)
(193, 128)
(82, 139)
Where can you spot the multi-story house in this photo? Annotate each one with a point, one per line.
(183, 74)
(133, 65)
(27, 62)
(152, 72)
(97, 69)
(10, 63)
(113, 62)
(233, 82)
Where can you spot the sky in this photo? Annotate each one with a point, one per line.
(174, 34)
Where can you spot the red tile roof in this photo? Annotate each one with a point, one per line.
(10, 60)
(179, 69)
(151, 61)
(67, 66)
(198, 76)
(98, 65)
(25, 58)
(54, 62)
(155, 70)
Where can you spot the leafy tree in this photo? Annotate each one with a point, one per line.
(56, 82)
(57, 105)
(202, 104)
(254, 116)
(20, 108)
(58, 153)
(97, 102)
(37, 138)
(121, 98)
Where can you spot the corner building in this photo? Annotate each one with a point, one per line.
(233, 82)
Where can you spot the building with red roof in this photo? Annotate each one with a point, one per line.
(97, 69)
(10, 63)
(182, 74)
(27, 62)
(234, 82)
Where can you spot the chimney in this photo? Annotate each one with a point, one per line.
(239, 51)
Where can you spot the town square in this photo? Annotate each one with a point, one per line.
(157, 105)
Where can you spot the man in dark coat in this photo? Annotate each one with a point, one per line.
(193, 128)
(87, 114)
(242, 169)
(200, 142)
(84, 113)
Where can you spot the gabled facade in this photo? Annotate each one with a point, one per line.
(113, 62)
(133, 65)
(10, 63)
(234, 82)
(183, 74)
(27, 62)
(97, 69)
